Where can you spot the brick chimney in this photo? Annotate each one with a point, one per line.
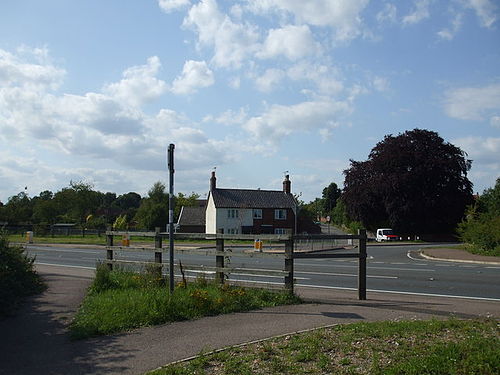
(287, 185)
(213, 182)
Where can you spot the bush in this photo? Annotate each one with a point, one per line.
(18, 278)
(482, 234)
(481, 228)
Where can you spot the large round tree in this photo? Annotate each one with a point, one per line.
(414, 182)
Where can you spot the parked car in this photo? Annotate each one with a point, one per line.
(386, 234)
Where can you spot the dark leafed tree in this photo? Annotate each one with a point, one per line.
(414, 182)
(330, 196)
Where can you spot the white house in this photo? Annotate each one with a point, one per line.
(248, 211)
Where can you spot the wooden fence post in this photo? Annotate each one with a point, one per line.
(158, 247)
(289, 265)
(109, 242)
(362, 265)
(219, 259)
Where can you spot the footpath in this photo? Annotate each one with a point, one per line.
(36, 341)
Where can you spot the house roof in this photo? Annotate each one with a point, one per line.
(241, 198)
(192, 216)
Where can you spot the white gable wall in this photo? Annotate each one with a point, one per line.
(217, 218)
(210, 216)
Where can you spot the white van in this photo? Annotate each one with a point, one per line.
(386, 234)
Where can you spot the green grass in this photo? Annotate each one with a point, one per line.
(93, 239)
(471, 249)
(495, 252)
(402, 348)
(90, 239)
(120, 300)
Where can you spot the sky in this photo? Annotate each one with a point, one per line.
(95, 91)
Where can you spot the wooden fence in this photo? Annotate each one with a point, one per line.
(223, 254)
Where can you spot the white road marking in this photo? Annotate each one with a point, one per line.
(408, 254)
(64, 250)
(247, 274)
(370, 267)
(407, 293)
(347, 274)
(64, 265)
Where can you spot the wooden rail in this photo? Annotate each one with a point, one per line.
(223, 254)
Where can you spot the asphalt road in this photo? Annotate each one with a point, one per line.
(391, 269)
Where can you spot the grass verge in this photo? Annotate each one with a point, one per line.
(473, 249)
(93, 239)
(469, 248)
(407, 347)
(119, 300)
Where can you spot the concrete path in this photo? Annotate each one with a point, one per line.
(36, 340)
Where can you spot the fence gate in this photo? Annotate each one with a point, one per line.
(291, 254)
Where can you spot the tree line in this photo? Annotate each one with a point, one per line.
(81, 204)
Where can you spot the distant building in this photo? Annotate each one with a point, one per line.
(245, 211)
(192, 219)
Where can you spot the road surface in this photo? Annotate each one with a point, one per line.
(390, 268)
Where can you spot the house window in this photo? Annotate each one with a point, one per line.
(280, 214)
(232, 231)
(257, 213)
(280, 231)
(232, 213)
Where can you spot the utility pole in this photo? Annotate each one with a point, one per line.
(171, 215)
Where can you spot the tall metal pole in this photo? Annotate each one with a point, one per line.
(171, 214)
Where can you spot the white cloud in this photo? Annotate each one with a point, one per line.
(485, 10)
(381, 84)
(326, 134)
(29, 68)
(495, 121)
(99, 127)
(232, 42)
(480, 149)
(388, 14)
(269, 79)
(280, 121)
(420, 12)
(293, 42)
(229, 117)
(139, 84)
(169, 6)
(342, 15)
(195, 75)
(472, 103)
(234, 83)
(449, 33)
(325, 77)
(485, 155)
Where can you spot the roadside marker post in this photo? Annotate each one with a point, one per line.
(171, 215)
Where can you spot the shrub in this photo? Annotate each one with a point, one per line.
(18, 278)
(481, 228)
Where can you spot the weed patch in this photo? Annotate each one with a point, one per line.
(119, 300)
